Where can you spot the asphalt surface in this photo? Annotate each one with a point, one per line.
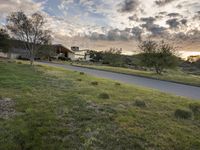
(163, 86)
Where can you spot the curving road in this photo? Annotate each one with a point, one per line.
(164, 86)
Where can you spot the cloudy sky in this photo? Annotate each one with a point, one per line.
(101, 24)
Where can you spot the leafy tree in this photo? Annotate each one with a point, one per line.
(46, 52)
(96, 56)
(112, 57)
(158, 55)
(30, 30)
(4, 41)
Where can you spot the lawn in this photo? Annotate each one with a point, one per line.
(50, 108)
(170, 75)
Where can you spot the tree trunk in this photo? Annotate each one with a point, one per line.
(9, 54)
(32, 57)
(158, 70)
(31, 61)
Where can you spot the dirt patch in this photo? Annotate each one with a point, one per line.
(7, 108)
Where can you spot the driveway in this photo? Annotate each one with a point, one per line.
(163, 86)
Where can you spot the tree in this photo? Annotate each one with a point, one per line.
(112, 57)
(158, 55)
(46, 52)
(96, 56)
(30, 30)
(4, 41)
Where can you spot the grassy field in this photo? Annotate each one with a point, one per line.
(171, 75)
(50, 108)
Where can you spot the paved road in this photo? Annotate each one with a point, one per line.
(164, 86)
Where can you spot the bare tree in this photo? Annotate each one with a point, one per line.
(29, 30)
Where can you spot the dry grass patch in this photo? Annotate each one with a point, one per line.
(7, 108)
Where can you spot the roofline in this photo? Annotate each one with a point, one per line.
(64, 47)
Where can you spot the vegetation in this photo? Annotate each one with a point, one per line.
(4, 40)
(140, 103)
(110, 57)
(30, 30)
(94, 83)
(53, 110)
(175, 75)
(183, 114)
(104, 96)
(46, 52)
(159, 56)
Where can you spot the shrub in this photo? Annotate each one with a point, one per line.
(19, 62)
(22, 58)
(195, 107)
(104, 96)
(94, 83)
(82, 73)
(118, 84)
(183, 114)
(79, 79)
(140, 103)
(9, 61)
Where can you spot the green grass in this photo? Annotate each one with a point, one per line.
(171, 75)
(59, 109)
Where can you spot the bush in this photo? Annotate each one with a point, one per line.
(19, 62)
(195, 107)
(82, 73)
(183, 114)
(118, 84)
(22, 58)
(94, 83)
(63, 58)
(140, 103)
(10, 61)
(79, 79)
(104, 96)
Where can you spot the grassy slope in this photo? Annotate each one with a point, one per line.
(171, 75)
(56, 110)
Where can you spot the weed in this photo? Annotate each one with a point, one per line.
(94, 83)
(104, 96)
(140, 103)
(183, 114)
(118, 84)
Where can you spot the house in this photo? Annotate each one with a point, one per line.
(63, 51)
(193, 58)
(73, 54)
(18, 51)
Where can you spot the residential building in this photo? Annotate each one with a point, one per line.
(18, 51)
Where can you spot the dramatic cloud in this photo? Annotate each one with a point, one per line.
(85, 22)
(174, 15)
(129, 6)
(197, 16)
(133, 18)
(184, 21)
(137, 33)
(8, 6)
(163, 2)
(112, 35)
(153, 28)
(173, 23)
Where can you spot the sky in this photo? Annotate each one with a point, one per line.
(102, 24)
